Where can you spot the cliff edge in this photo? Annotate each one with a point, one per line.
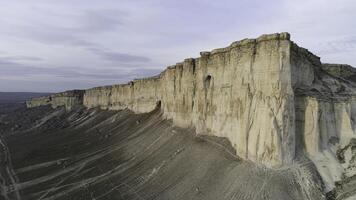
(275, 102)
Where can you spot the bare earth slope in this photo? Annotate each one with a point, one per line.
(95, 154)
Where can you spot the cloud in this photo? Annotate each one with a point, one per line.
(77, 33)
(52, 26)
(16, 71)
(118, 57)
(100, 20)
(81, 43)
(337, 46)
(21, 58)
(16, 76)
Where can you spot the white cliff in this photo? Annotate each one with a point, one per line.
(69, 99)
(242, 92)
(275, 102)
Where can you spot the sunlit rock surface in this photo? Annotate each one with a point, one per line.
(242, 92)
(68, 99)
(274, 101)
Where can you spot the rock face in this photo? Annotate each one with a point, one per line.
(339, 70)
(274, 101)
(68, 99)
(242, 92)
(327, 132)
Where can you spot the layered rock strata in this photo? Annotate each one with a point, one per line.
(273, 100)
(68, 99)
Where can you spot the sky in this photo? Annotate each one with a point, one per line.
(57, 45)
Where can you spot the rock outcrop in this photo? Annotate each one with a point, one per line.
(68, 99)
(275, 102)
(339, 70)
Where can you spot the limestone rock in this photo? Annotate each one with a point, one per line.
(68, 99)
(275, 102)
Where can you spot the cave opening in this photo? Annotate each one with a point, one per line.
(207, 81)
(158, 104)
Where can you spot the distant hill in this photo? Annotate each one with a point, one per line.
(18, 97)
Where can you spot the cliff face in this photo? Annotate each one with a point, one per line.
(273, 100)
(242, 92)
(140, 96)
(327, 132)
(68, 99)
(325, 121)
(339, 70)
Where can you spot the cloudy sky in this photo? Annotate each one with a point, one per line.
(55, 45)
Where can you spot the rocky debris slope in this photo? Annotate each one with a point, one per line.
(96, 154)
